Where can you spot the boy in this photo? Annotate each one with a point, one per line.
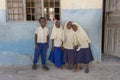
(41, 43)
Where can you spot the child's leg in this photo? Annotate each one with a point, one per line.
(87, 68)
(65, 58)
(36, 56)
(70, 67)
(78, 67)
(71, 59)
(75, 66)
(43, 56)
(66, 65)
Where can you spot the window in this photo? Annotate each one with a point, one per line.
(32, 10)
(15, 10)
(52, 9)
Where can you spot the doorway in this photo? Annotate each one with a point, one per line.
(111, 28)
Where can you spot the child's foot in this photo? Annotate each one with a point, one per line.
(69, 67)
(75, 66)
(86, 70)
(34, 66)
(61, 67)
(81, 68)
(45, 68)
(76, 70)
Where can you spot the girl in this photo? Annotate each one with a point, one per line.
(68, 44)
(83, 54)
(56, 53)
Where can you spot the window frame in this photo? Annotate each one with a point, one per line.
(24, 8)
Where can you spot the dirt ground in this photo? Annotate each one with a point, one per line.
(108, 69)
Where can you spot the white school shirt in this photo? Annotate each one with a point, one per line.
(57, 43)
(58, 39)
(57, 36)
(69, 40)
(42, 34)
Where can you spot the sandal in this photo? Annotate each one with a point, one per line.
(45, 68)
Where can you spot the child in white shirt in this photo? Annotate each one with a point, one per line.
(83, 53)
(41, 43)
(68, 44)
(56, 54)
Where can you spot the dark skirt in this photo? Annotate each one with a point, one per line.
(84, 55)
(56, 56)
(69, 56)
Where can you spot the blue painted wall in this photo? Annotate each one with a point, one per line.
(90, 20)
(17, 38)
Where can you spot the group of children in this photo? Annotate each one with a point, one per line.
(70, 46)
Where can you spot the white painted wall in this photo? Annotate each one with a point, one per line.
(2, 4)
(81, 4)
(70, 4)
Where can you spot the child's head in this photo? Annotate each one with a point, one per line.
(42, 21)
(69, 25)
(74, 27)
(57, 24)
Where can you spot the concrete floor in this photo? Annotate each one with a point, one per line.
(108, 69)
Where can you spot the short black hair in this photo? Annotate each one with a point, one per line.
(42, 18)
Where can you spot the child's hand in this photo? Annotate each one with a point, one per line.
(47, 46)
(75, 47)
(89, 44)
(62, 47)
(36, 46)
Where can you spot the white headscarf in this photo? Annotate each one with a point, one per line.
(82, 36)
(65, 26)
(57, 33)
(65, 30)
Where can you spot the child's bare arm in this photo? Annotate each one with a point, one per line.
(52, 44)
(36, 46)
(47, 46)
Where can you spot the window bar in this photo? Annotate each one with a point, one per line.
(30, 10)
(19, 11)
(42, 1)
(13, 11)
(24, 10)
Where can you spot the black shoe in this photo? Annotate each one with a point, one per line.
(34, 66)
(86, 70)
(45, 68)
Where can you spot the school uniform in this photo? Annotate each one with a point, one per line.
(69, 42)
(56, 55)
(84, 55)
(42, 34)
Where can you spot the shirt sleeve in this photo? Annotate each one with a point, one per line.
(63, 36)
(36, 31)
(47, 31)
